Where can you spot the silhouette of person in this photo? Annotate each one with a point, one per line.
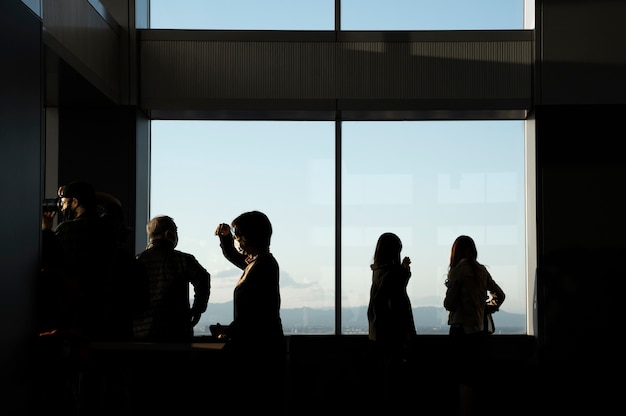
(84, 246)
(255, 343)
(390, 318)
(170, 317)
(129, 274)
(82, 253)
(467, 287)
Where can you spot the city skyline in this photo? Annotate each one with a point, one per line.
(428, 320)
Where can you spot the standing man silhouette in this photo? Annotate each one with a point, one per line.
(170, 317)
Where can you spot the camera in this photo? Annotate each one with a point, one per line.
(50, 205)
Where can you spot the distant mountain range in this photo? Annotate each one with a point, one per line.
(428, 319)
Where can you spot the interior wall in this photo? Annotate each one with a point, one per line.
(580, 237)
(98, 145)
(579, 169)
(142, 178)
(581, 98)
(583, 55)
(581, 225)
(21, 154)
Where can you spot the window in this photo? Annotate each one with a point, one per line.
(205, 173)
(355, 14)
(432, 15)
(427, 181)
(243, 14)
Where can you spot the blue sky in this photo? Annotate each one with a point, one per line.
(426, 181)
(356, 14)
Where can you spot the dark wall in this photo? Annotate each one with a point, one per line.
(330, 374)
(580, 227)
(98, 145)
(21, 188)
(581, 223)
(582, 51)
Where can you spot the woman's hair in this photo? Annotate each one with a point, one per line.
(463, 248)
(388, 250)
(254, 227)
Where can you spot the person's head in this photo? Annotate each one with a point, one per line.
(77, 198)
(463, 248)
(110, 208)
(162, 227)
(253, 231)
(388, 249)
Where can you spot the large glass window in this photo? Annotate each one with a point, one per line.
(432, 15)
(207, 172)
(429, 182)
(243, 14)
(426, 181)
(355, 14)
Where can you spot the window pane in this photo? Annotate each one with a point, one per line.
(243, 14)
(207, 172)
(432, 15)
(429, 182)
(355, 14)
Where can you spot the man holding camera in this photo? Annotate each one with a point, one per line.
(84, 247)
(84, 268)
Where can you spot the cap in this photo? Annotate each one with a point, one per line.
(82, 191)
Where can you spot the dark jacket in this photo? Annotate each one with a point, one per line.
(95, 278)
(170, 271)
(256, 301)
(389, 312)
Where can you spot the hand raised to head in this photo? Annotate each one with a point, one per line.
(222, 230)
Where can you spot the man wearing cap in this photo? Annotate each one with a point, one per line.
(86, 246)
(83, 251)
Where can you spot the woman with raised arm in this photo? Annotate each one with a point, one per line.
(390, 317)
(255, 344)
